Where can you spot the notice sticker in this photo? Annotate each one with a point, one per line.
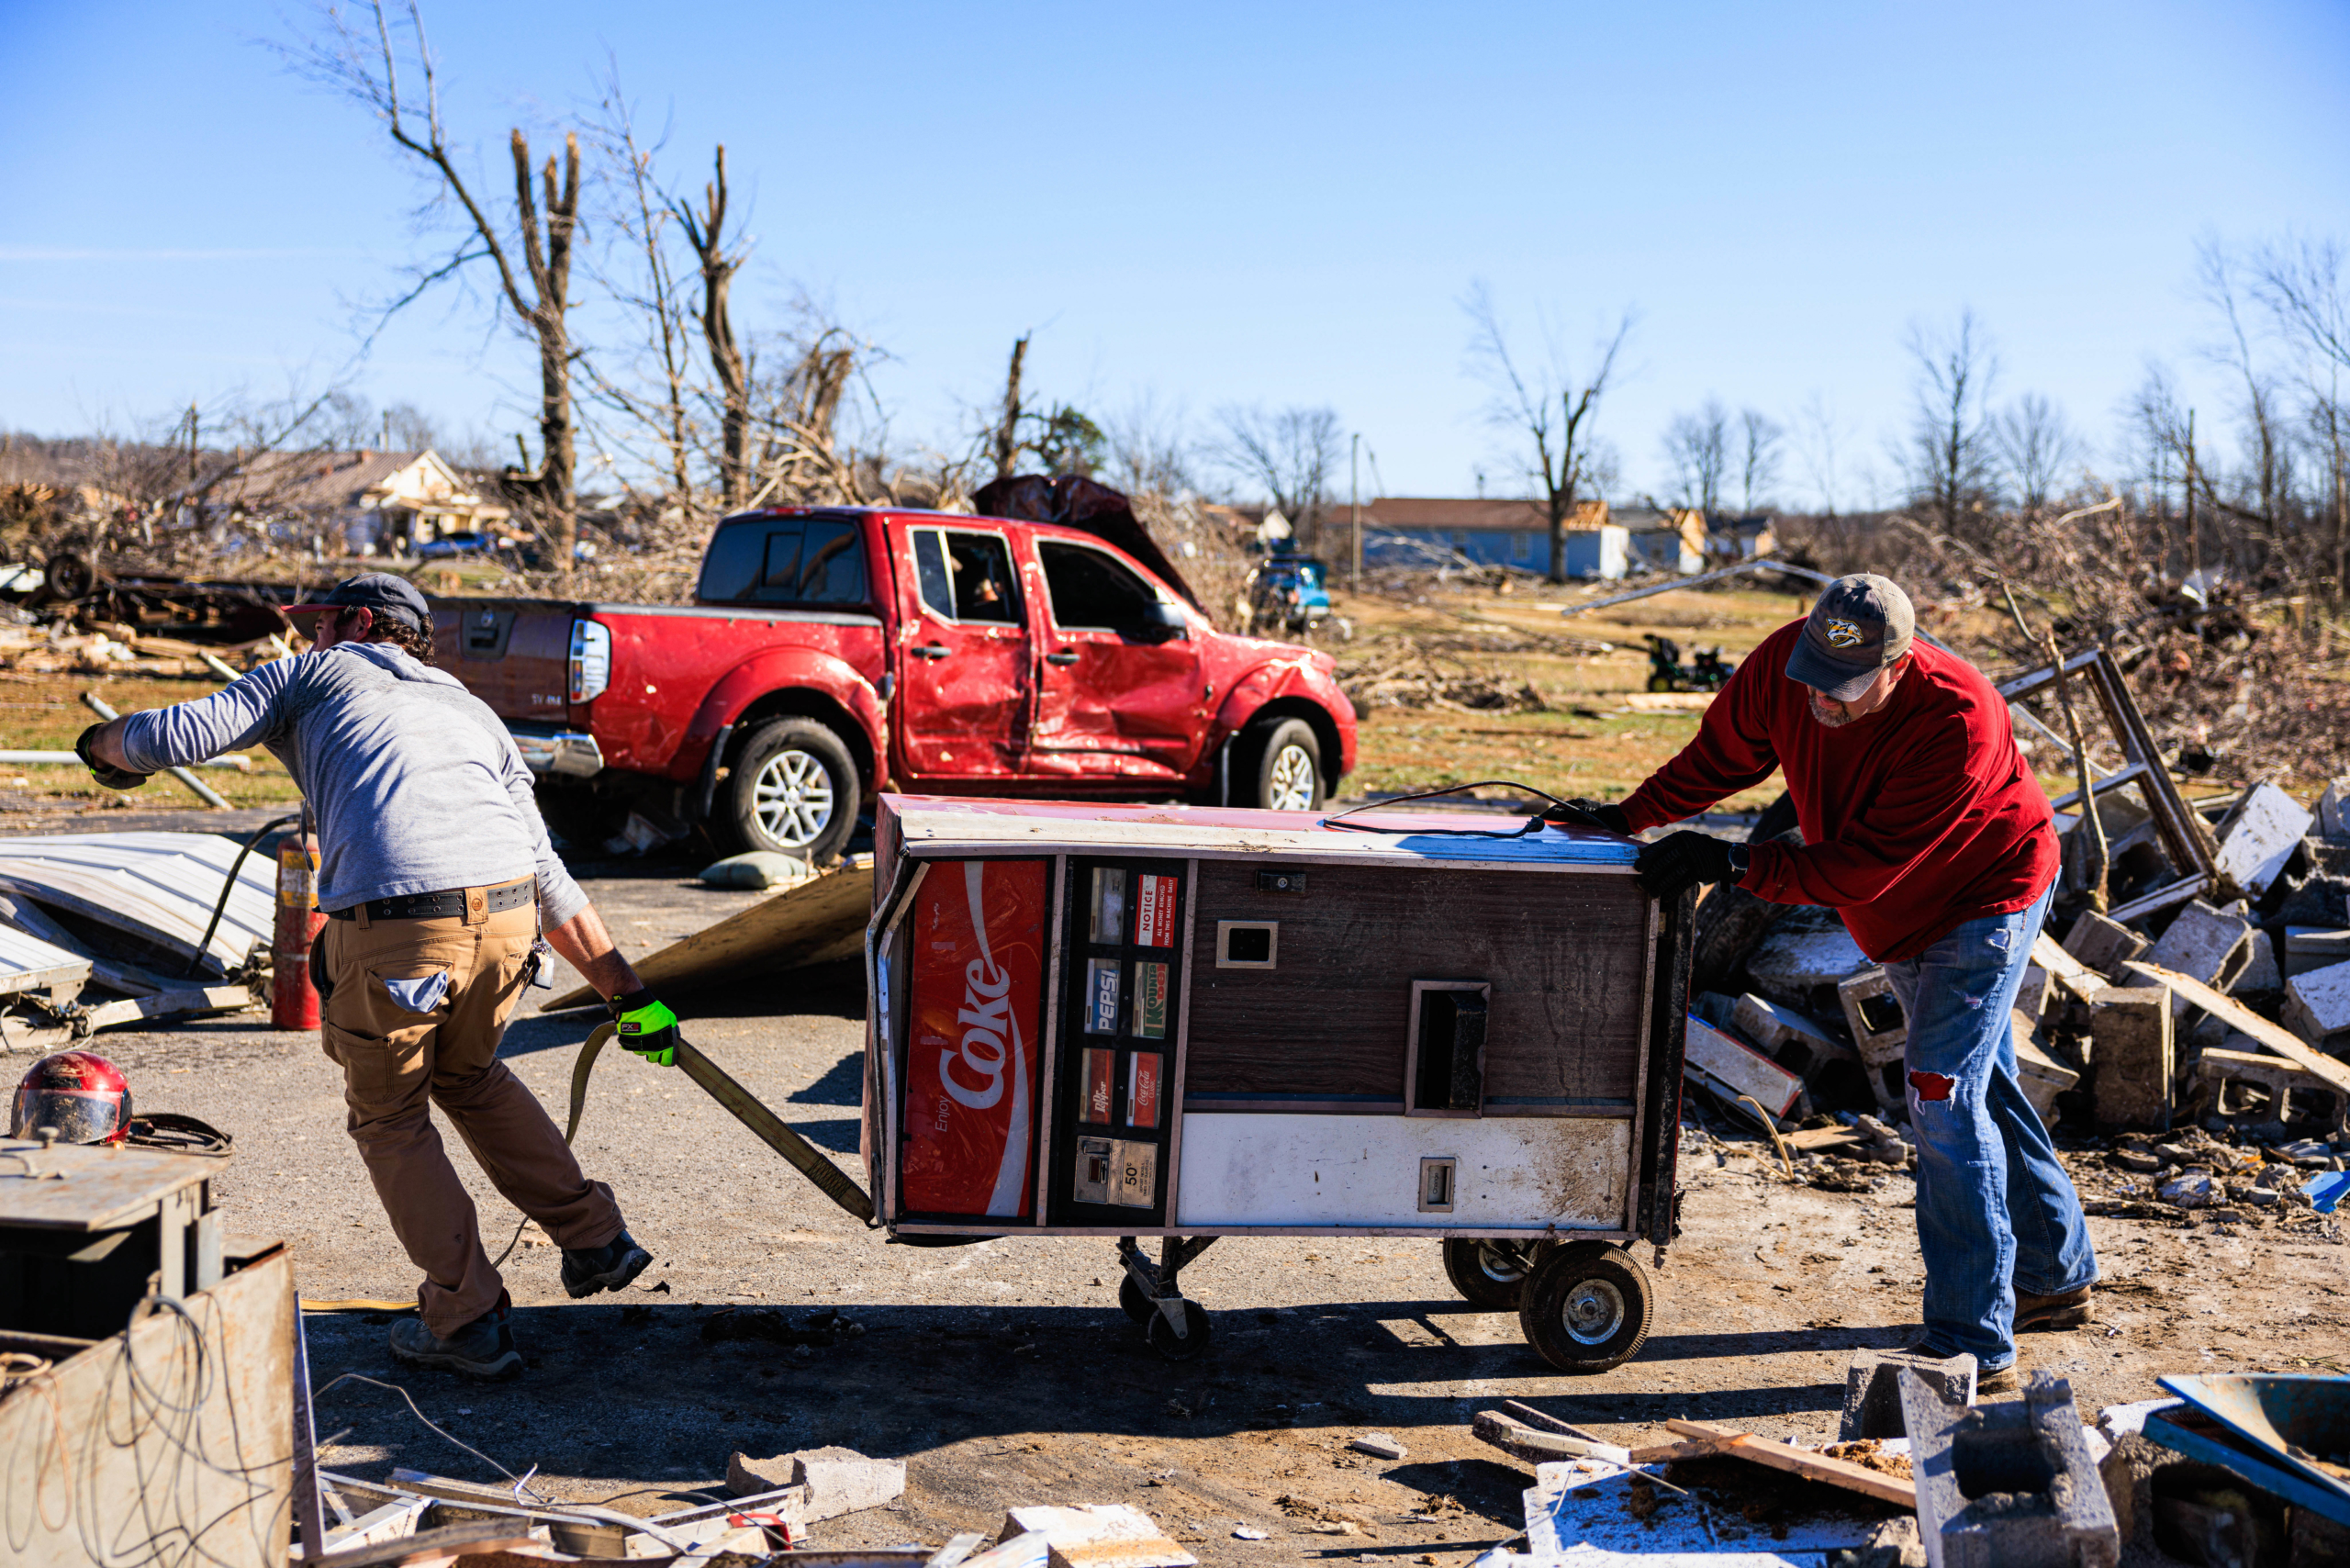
(1142, 1089)
(1101, 996)
(1150, 1001)
(1099, 1074)
(1155, 912)
(1109, 922)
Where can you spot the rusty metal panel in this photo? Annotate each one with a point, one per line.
(170, 1445)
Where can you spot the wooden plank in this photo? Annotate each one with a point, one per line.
(171, 1004)
(1730, 1443)
(1566, 957)
(814, 921)
(1821, 1137)
(1520, 1441)
(2065, 969)
(2228, 1010)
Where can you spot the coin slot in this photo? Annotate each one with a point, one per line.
(1246, 944)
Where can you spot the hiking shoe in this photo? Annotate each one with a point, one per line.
(2047, 1314)
(586, 1270)
(1999, 1379)
(482, 1349)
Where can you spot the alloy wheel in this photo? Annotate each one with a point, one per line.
(793, 796)
(1290, 780)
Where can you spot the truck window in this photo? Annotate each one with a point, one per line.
(794, 561)
(1091, 592)
(965, 576)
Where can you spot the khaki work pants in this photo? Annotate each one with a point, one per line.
(395, 1058)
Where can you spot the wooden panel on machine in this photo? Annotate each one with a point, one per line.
(1566, 954)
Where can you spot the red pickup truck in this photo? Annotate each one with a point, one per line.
(831, 652)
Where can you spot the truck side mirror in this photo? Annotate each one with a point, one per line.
(1159, 623)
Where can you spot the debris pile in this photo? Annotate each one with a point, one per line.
(1454, 671)
(2186, 1014)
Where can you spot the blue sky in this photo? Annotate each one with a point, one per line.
(1218, 204)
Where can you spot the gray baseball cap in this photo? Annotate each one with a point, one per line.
(1859, 625)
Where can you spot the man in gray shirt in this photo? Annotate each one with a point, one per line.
(435, 869)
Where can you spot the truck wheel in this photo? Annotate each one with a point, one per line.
(792, 788)
(1491, 1274)
(1587, 1308)
(1278, 766)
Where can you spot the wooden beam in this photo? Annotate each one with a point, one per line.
(2070, 972)
(811, 921)
(2228, 1010)
(1733, 1444)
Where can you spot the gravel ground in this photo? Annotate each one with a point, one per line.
(1005, 1373)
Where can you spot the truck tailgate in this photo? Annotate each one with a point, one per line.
(513, 653)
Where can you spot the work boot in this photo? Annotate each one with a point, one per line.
(2001, 1380)
(586, 1270)
(482, 1348)
(2047, 1314)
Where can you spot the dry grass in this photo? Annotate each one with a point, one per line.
(44, 712)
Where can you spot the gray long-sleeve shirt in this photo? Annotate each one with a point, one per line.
(416, 785)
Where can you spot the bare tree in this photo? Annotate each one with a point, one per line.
(1150, 451)
(530, 257)
(1004, 440)
(720, 259)
(2299, 282)
(1697, 445)
(1949, 452)
(1289, 454)
(1819, 435)
(1545, 402)
(1758, 466)
(2036, 448)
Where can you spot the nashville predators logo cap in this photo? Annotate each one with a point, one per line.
(1859, 625)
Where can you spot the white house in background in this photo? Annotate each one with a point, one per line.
(1600, 541)
(386, 501)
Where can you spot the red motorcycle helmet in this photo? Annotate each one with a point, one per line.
(80, 1093)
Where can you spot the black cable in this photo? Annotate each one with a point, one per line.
(235, 866)
(1531, 825)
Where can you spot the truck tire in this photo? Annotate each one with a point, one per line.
(792, 788)
(1277, 766)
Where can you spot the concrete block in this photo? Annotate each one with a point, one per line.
(1739, 1068)
(2031, 996)
(1874, 1014)
(839, 1481)
(2259, 835)
(2310, 947)
(2293, 1094)
(2103, 945)
(2131, 1028)
(2007, 1485)
(1792, 962)
(1379, 1445)
(1873, 1395)
(1098, 1535)
(2043, 1073)
(2260, 984)
(2322, 897)
(2203, 944)
(1789, 1038)
(2317, 1006)
(2333, 811)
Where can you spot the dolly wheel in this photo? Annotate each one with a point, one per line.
(1136, 1304)
(1587, 1308)
(1491, 1273)
(1161, 1333)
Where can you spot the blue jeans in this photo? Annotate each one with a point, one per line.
(1995, 1210)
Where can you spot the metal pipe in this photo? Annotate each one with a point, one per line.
(1760, 562)
(67, 758)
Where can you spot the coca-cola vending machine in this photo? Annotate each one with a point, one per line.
(1156, 1020)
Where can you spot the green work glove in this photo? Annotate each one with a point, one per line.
(112, 778)
(647, 1026)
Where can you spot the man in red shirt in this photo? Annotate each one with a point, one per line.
(1923, 828)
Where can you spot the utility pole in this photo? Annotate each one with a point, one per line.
(2194, 542)
(1354, 505)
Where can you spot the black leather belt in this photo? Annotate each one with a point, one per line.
(447, 904)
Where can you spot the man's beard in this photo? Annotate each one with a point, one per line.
(1830, 718)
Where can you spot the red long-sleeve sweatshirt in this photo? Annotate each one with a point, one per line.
(1915, 819)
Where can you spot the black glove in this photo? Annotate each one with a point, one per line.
(1674, 863)
(112, 778)
(1581, 813)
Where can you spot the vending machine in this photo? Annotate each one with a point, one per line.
(1157, 1021)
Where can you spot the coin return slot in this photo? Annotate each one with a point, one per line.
(1246, 944)
(1436, 1176)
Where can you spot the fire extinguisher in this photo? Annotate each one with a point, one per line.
(293, 1000)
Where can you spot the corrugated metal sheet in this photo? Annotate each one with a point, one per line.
(27, 963)
(158, 887)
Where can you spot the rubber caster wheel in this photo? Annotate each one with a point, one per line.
(1136, 1304)
(1491, 1274)
(1161, 1333)
(1587, 1308)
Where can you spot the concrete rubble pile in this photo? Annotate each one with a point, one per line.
(2203, 1044)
